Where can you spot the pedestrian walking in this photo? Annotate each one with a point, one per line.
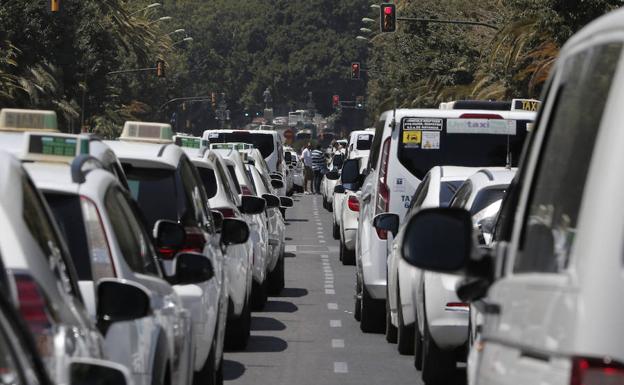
(306, 157)
(318, 167)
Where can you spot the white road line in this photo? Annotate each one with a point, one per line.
(332, 306)
(340, 367)
(324, 256)
(329, 286)
(330, 291)
(321, 241)
(335, 323)
(337, 343)
(290, 248)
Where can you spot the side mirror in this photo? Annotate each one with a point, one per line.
(217, 218)
(339, 189)
(333, 175)
(192, 268)
(286, 202)
(388, 222)
(169, 234)
(277, 183)
(110, 306)
(438, 239)
(271, 201)
(350, 171)
(252, 205)
(89, 371)
(234, 232)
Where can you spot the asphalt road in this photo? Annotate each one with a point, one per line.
(308, 334)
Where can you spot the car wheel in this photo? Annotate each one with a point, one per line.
(336, 231)
(438, 366)
(208, 373)
(259, 294)
(357, 312)
(276, 277)
(405, 334)
(372, 313)
(391, 330)
(346, 256)
(237, 330)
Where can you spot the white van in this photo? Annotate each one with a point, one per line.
(268, 142)
(551, 290)
(407, 144)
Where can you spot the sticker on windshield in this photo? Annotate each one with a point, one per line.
(431, 140)
(363, 137)
(411, 138)
(212, 135)
(481, 126)
(422, 124)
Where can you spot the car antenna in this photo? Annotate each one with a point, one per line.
(395, 92)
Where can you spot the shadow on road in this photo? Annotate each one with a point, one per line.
(232, 370)
(280, 307)
(296, 220)
(266, 323)
(289, 255)
(266, 344)
(293, 292)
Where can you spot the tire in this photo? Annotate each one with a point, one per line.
(438, 366)
(405, 334)
(276, 277)
(336, 231)
(347, 256)
(391, 330)
(259, 294)
(208, 373)
(357, 312)
(373, 318)
(237, 330)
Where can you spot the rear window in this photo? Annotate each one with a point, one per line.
(486, 197)
(447, 191)
(263, 142)
(428, 142)
(364, 141)
(209, 180)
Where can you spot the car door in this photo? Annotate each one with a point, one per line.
(531, 309)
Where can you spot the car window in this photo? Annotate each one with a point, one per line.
(134, 246)
(486, 197)
(197, 210)
(376, 145)
(38, 220)
(462, 196)
(148, 186)
(447, 190)
(225, 183)
(420, 194)
(232, 172)
(209, 180)
(549, 227)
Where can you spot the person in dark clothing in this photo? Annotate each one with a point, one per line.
(318, 167)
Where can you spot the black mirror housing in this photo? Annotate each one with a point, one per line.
(87, 371)
(169, 234)
(234, 232)
(388, 222)
(333, 175)
(111, 308)
(438, 239)
(277, 183)
(350, 171)
(192, 268)
(217, 219)
(339, 189)
(272, 201)
(286, 202)
(252, 205)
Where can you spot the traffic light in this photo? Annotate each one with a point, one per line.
(355, 70)
(160, 68)
(55, 5)
(336, 101)
(359, 102)
(213, 100)
(387, 17)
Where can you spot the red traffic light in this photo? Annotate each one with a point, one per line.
(388, 17)
(388, 10)
(335, 100)
(355, 70)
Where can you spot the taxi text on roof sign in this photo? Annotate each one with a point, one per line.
(525, 105)
(53, 147)
(147, 132)
(23, 120)
(188, 141)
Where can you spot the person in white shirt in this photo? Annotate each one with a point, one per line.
(306, 157)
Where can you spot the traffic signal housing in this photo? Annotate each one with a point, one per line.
(55, 5)
(359, 102)
(160, 68)
(336, 101)
(355, 70)
(387, 18)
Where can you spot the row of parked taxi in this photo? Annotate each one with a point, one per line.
(517, 272)
(138, 259)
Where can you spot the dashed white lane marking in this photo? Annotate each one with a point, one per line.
(330, 291)
(329, 277)
(321, 241)
(321, 237)
(329, 286)
(290, 248)
(332, 306)
(337, 343)
(324, 256)
(340, 367)
(335, 323)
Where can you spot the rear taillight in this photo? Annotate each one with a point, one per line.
(99, 251)
(457, 306)
(353, 203)
(589, 371)
(32, 304)
(383, 192)
(226, 212)
(245, 190)
(195, 240)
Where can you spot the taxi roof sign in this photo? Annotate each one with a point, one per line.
(531, 105)
(187, 141)
(53, 147)
(13, 119)
(147, 132)
(231, 146)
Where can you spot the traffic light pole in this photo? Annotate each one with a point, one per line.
(460, 22)
(190, 98)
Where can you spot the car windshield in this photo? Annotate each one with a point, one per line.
(263, 142)
(456, 142)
